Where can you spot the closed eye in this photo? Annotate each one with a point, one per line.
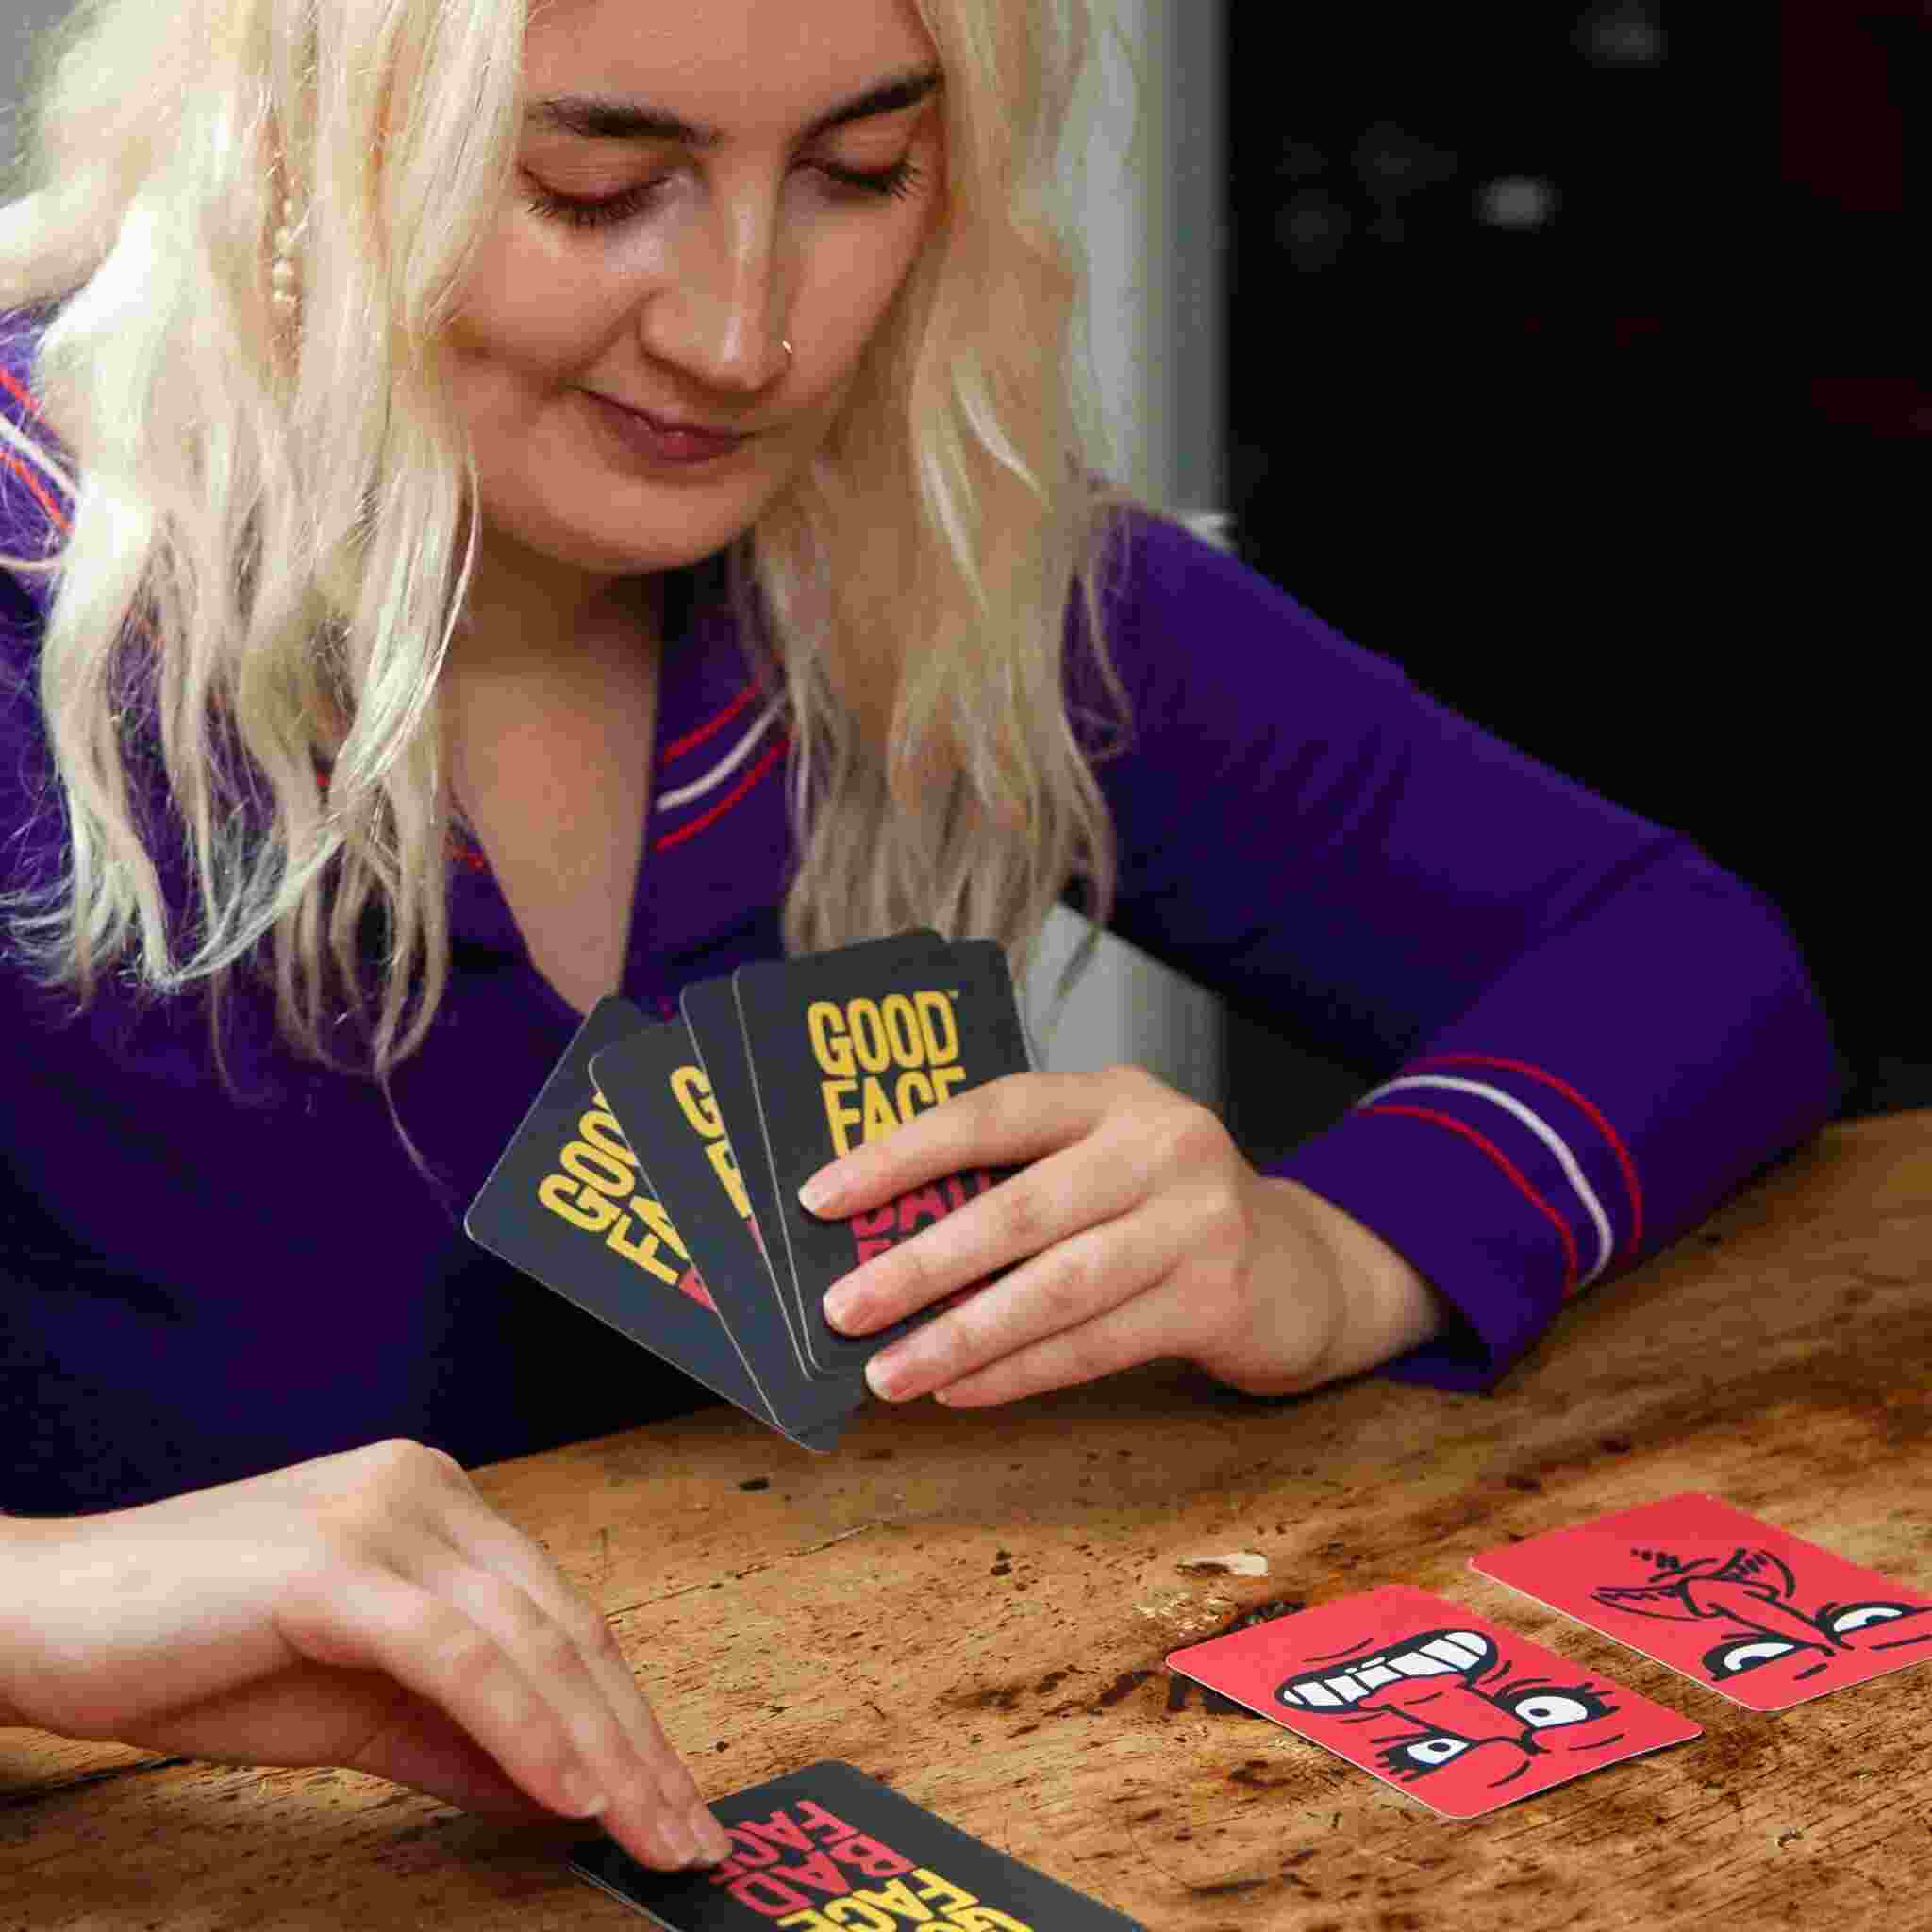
(870, 183)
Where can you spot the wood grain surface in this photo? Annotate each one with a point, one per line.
(976, 1607)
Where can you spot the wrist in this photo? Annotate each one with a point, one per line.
(1386, 1307)
(13, 1637)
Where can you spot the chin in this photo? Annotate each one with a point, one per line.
(652, 541)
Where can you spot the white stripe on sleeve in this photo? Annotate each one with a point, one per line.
(1544, 1132)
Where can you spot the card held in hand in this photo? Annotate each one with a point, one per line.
(1753, 1613)
(827, 1849)
(568, 1204)
(658, 1091)
(844, 1048)
(1460, 1712)
(710, 1013)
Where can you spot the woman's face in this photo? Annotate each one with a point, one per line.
(675, 295)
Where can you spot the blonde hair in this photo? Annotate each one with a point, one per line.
(271, 536)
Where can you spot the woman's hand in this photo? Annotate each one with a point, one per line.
(1141, 1231)
(366, 1610)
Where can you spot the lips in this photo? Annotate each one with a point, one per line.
(667, 425)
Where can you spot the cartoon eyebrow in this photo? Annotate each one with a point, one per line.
(1321, 1657)
(1520, 1687)
(1742, 1565)
(1634, 1596)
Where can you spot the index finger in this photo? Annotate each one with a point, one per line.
(495, 1544)
(1006, 1121)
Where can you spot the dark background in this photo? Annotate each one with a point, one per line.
(1636, 485)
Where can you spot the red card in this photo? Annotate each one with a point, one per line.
(1460, 1712)
(1764, 1618)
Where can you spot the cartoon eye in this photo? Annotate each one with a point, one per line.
(1542, 1708)
(1738, 1654)
(1434, 1751)
(1858, 1616)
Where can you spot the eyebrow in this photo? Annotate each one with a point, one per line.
(600, 117)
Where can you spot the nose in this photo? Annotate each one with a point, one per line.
(1475, 1718)
(720, 319)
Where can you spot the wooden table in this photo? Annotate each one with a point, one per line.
(975, 1607)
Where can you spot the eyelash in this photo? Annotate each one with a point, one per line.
(897, 180)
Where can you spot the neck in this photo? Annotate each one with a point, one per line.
(530, 617)
(536, 639)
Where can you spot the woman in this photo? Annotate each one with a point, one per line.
(388, 690)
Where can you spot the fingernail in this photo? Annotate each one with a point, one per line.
(712, 1842)
(582, 1793)
(838, 1307)
(886, 1374)
(820, 1190)
(679, 1840)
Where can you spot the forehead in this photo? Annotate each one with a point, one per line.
(744, 65)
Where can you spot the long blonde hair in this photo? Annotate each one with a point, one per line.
(270, 539)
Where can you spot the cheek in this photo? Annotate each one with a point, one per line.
(531, 305)
(855, 280)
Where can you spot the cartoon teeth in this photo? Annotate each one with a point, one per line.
(1444, 1653)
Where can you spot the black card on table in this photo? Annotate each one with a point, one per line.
(844, 1047)
(569, 1205)
(828, 1848)
(658, 1090)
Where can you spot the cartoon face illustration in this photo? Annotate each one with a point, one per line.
(1751, 1599)
(1444, 1698)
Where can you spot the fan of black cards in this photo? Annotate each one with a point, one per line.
(655, 1181)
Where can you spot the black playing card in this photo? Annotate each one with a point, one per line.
(710, 1011)
(568, 1204)
(843, 1048)
(710, 1016)
(658, 1091)
(828, 1848)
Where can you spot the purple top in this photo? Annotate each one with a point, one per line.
(1589, 1034)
